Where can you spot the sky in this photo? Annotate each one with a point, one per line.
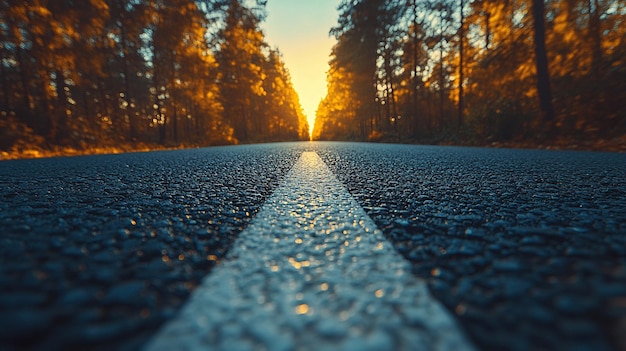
(299, 29)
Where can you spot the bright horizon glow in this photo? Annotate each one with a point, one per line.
(299, 29)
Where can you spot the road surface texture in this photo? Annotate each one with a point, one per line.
(523, 249)
(312, 272)
(98, 251)
(527, 247)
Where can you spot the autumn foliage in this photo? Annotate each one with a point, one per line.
(477, 72)
(105, 73)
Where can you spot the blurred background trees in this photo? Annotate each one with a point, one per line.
(98, 73)
(476, 72)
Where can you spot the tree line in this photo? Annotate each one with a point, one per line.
(170, 72)
(475, 72)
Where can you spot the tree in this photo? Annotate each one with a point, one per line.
(541, 60)
(240, 60)
(336, 113)
(283, 116)
(476, 72)
(256, 92)
(461, 57)
(96, 73)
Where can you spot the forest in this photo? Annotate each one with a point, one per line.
(481, 72)
(85, 75)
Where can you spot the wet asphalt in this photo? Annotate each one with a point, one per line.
(527, 248)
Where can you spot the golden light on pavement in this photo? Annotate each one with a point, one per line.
(302, 309)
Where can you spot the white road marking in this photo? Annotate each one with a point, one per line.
(311, 272)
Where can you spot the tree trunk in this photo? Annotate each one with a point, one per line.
(132, 133)
(595, 36)
(487, 29)
(24, 79)
(441, 73)
(198, 123)
(389, 107)
(392, 104)
(244, 119)
(87, 111)
(461, 37)
(172, 93)
(174, 119)
(6, 104)
(415, 71)
(541, 61)
(60, 133)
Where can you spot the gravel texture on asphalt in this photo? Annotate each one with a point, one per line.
(312, 272)
(97, 252)
(526, 247)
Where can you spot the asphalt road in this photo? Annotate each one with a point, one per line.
(527, 249)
